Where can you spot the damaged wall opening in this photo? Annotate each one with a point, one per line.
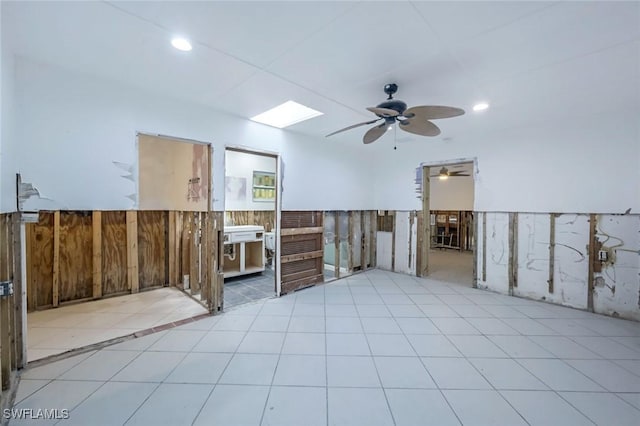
(94, 276)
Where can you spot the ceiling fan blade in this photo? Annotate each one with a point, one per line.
(458, 174)
(419, 127)
(374, 133)
(383, 112)
(353, 127)
(432, 112)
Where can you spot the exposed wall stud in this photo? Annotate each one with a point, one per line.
(475, 249)
(96, 223)
(484, 247)
(56, 258)
(592, 259)
(552, 249)
(132, 251)
(426, 221)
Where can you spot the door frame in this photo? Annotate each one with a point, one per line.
(425, 191)
(278, 202)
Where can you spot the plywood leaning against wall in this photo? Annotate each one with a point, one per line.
(301, 249)
(173, 174)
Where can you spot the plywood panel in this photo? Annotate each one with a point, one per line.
(40, 257)
(114, 252)
(173, 174)
(76, 259)
(151, 248)
(264, 218)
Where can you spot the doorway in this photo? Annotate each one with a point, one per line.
(250, 256)
(448, 202)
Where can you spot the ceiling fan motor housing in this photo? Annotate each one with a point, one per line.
(395, 105)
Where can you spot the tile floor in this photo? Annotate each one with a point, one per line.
(249, 288)
(59, 330)
(377, 348)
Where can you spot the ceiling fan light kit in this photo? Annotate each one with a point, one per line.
(414, 120)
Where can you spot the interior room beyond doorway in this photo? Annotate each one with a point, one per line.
(249, 227)
(451, 222)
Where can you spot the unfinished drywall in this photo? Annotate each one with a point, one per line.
(553, 260)
(172, 174)
(239, 180)
(76, 137)
(617, 286)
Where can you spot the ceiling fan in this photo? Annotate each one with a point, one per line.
(413, 120)
(444, 173)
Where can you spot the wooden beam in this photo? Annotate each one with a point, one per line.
(412, 217)
(194, 258)
(419, 242)
(426, 221)
(475, 249)
(484, 246)
(32, 301)
(205, 261)
(56, 258)
(349, 242)
(363, 242)
(301, 256)
(172, 248)
(133, 280)
(336, 242)
(300, 231)
(97, 254)
(393, 240)
(513, 252)
(18, 285)
(373, 244)
(592, 259)
(552, 249)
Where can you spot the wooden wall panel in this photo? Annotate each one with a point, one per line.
(76, 260)
(40, 260)
(302, 248)
(266, 218)
(151, 248)
(114, 253)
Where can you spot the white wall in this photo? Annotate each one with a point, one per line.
(455, 193)
(7, 171)
(242, 165)
(71, 128)
(576, 165)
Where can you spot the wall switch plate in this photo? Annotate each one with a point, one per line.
(603, 255)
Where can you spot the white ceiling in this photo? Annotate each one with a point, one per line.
(533, 61)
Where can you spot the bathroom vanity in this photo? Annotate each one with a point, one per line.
(243, 250)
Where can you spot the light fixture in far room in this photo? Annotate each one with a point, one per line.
(286, 114)
(481, 106)
(444, 174)
(181, 43)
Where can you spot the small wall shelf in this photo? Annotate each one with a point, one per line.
(264, 186)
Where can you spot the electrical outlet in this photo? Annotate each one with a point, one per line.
(603, 255)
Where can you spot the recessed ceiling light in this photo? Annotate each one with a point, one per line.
(480, 106)
(181, 44)
(286, 114)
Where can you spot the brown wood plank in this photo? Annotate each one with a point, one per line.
(393, 241)
(592, 259)
(552, 250)
(475, 249)
(302, 231)
(185, 245)
(40, 249)
(18, 286)
(97, 254)
(151, 249)
(56, 258)
(114, 253)
(426, 221)
(5, 340)
(133, 280)
(301, 256)
(173, 245)
(336, 243)
(194, 272)
(75, 259)
(291, 286)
